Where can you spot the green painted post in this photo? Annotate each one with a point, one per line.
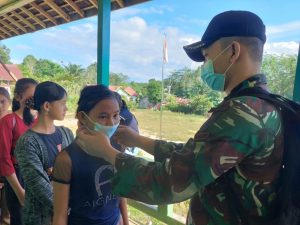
(165, 210)
(104, 8)
(296, 95)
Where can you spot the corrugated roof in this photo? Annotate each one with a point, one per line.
(130, 91)
(19, 17)
(4, 76)
(114, 88)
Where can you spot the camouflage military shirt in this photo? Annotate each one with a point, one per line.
(241, 141)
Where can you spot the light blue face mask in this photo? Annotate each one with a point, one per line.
(216, 81)
(107, 130)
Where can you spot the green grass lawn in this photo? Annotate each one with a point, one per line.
(175, 126)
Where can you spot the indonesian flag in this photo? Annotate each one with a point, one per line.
(165, 51)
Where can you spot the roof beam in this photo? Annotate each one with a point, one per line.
(94, 3)
(120, 3)
(17, 24)
(9, 27)
(12, 5)
(2, 36)
(75, 7)
(23, 20)
(33, 17)
(5, 31)
(58, 10)
(11, 74)
(42, 11)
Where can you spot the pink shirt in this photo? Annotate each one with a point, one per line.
(11, 128)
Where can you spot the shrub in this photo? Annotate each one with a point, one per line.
(72, 103)
(201, 104)
(131, 105)
(175, 107)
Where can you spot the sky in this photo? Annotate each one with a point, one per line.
(137, 35)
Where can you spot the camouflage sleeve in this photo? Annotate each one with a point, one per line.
(234, 130)
(164, 151)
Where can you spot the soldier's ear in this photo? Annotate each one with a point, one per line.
(235, 51)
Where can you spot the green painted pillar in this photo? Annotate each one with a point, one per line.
(104, 8)
(296, 95)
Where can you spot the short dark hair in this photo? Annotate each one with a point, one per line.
(91, 95)
(47, 91)
(254, 45)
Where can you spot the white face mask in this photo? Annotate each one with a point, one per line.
(107, 130)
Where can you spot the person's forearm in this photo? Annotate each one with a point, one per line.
(16, 186)
(124, 211)
(111, 155)
(146, 144)
(59, 221)
(60, 203)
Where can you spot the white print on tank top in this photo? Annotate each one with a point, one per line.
(98, 175)
(101, 199)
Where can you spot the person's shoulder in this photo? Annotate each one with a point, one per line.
(28, 142)
(244, 107)
(65, 129)
(70, 148)
(28, 138)
(8, 118)
(251, 102)
(63, 156)
(127, 115)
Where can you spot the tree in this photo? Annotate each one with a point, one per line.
(184, 83)
(4, 54)
(74, 70)
(118, 79)
(29, 63)
(280, 71)
(140, 88)
(91, 73)
(154, 91)
(45, 67)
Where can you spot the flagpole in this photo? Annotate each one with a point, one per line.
(164, 61)
(162, 98)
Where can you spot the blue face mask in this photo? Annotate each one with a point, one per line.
(107, 130)
(216, 81)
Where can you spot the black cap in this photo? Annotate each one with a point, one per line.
(227, 24)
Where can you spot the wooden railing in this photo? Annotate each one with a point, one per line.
(163, 213)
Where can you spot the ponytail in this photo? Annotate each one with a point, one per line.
(15, 105)
(27, 116)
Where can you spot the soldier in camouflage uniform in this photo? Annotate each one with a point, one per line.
(241, 142)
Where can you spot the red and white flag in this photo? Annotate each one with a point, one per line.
(165, 51)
